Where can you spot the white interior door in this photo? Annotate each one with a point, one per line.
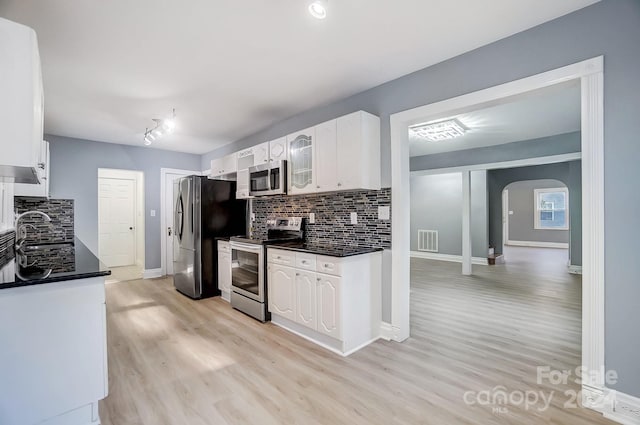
(169, 212)
(116, 221)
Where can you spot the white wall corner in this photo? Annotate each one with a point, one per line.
(622, 408)
(152, 273)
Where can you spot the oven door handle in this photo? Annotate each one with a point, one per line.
(246, 247)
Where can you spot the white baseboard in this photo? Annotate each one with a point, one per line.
(386, 331)
(539, 244)
(623, 408)
(151, 273)
(447, 257)
(575, 269)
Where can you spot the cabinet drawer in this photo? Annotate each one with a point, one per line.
(223, 246)
(305, 261)
(328, 265)
(278, 256)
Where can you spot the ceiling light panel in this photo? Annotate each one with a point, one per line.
(440, 130)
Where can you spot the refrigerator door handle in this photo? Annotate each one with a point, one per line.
(179, 224)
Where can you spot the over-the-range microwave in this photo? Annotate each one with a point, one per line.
(268, 179)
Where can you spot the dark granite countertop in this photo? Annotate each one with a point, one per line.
(49, 263)
(326, 249)
(222, 238)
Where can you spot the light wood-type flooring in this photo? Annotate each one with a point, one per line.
(182, 362)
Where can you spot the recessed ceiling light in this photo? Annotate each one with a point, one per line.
(318, 9)
(439, 130)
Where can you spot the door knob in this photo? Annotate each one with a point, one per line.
(130, 228)
(169, 230)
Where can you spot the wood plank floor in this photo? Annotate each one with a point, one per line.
(177, 361)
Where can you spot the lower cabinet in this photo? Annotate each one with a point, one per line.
(306, 305)
(340, 311)
(224, 269)
(328, 293)
(282, 282)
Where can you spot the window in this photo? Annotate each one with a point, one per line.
(552, 209)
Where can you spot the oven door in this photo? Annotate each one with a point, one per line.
(247, 273)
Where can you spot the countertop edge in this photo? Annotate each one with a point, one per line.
(327, 254)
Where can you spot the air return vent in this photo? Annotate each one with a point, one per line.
(428, 240)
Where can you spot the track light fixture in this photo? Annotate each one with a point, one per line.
(162, 127)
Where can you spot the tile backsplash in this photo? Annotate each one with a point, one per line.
(61, 212)
(7, 240)
(332, 216)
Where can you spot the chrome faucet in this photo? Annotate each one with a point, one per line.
(22, 229)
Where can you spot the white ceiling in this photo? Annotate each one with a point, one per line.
(540, 113)
(232, 68)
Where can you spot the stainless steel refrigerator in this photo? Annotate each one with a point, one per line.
(204, 210)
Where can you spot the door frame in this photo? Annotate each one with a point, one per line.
(590, 73)
(505, 219)
(163, 212)
(137, 177)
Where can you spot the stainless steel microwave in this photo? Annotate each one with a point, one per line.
(268, 179)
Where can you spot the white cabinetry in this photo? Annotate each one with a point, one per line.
(261, 153)
(278, 149)
(335, 302)
(21, 102)
(6, 204)
(302, 170)
(54, 367)
(40, 190)
(225, 165)
(224, 269)
(306, 303)
(326, 156)
(282, 301)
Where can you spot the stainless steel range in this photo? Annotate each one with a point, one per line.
(248, 275)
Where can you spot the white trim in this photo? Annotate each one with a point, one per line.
(480, 261)
(622, 408)
(536, 205)
(505, 219)
(152, 273)
(163, 219)
(575, 269)
(386, 331)
(535, 244)
(538, 160)
(590, 73)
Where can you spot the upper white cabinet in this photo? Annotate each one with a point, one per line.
(278, 149)
(302, 170)
(21, 102)
(261, 153)
(43, 171)
(341, 154)
(348, 153)
(225, 165)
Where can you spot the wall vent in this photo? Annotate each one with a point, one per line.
(428, 240)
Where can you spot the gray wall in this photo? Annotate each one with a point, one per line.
(436, 204)
(566, 172)
(522, 204)
(74, 175)
(610, 28)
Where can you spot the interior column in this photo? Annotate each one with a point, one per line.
(466, 222)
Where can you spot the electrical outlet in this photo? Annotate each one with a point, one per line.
(384, 212)
(354, 218)
(312, 218)
(253, 216)
(152, 213)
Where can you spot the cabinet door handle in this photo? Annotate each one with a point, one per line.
(318, 279)
(297, 274)
(266, 160)
(339, 184)
(317, 187)
(304, 261)
(41, 165)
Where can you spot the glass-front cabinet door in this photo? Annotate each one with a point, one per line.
(302, 173)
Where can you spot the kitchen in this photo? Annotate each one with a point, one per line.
(269, 290)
